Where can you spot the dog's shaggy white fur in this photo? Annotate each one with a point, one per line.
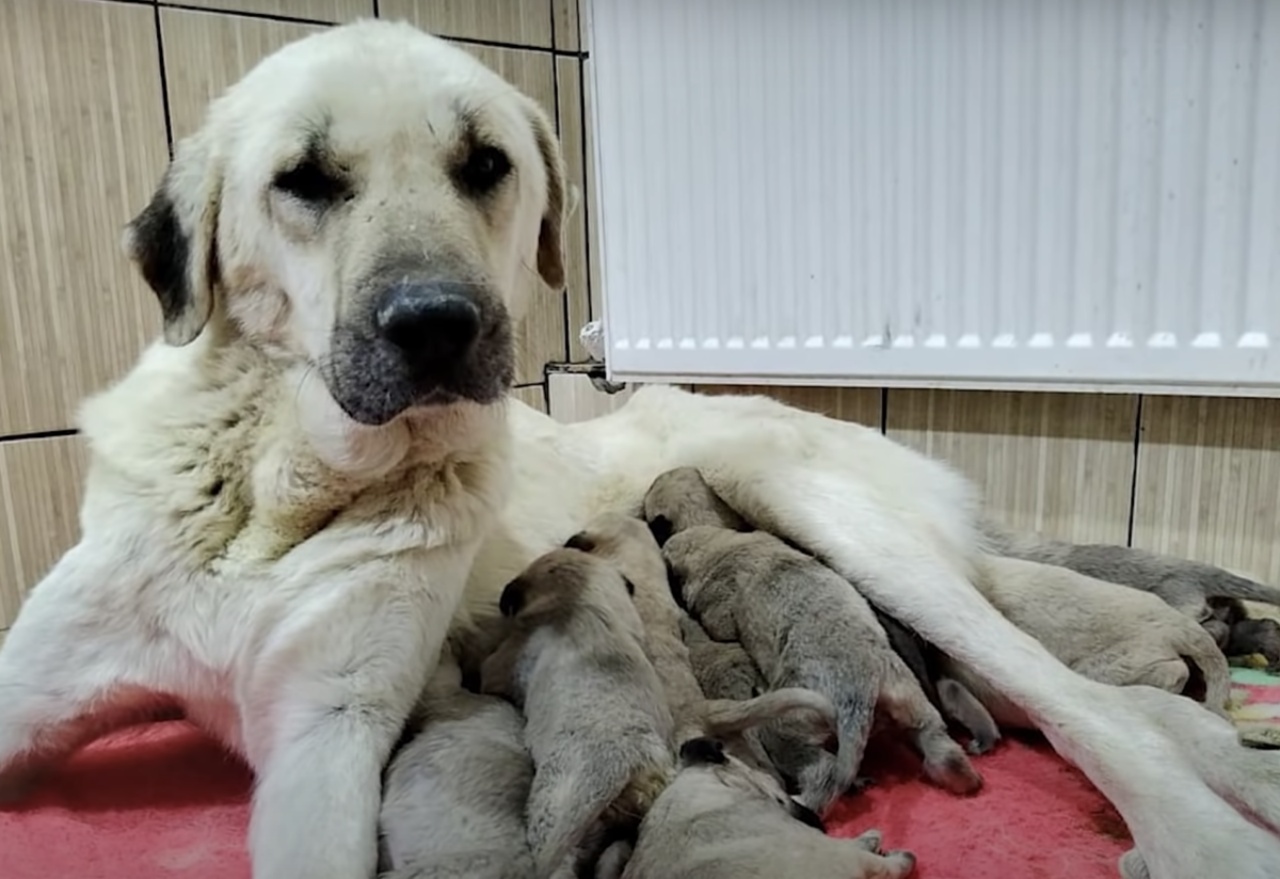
(289, 501)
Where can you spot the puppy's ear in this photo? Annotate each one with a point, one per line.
(173, 240)
(661, 529)
(702, 750)
(512, 600)
(551, 251)
(580, 541)
(676, 584)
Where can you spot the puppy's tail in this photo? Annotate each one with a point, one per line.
(825, 781)
(1219, 583)
(727, 717)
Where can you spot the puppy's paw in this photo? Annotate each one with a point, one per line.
(900, 863)
(953, 772)
(979, 745)
(871, 841)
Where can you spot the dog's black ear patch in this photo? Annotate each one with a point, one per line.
(163, 254)
(661, 529)
(512, 598)
(580, 541)
(805, 815)
(702, 750)
(631, 587)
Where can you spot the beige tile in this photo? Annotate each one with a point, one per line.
(312, 10)
(574, 398)
(40, 489)
(519, 22)
(205, 53)
(1208, 482)
(569, 88)
(568, 25)
(1061, 464)
(848, 404)
(531, 395)
(541, 337)
(82, 145)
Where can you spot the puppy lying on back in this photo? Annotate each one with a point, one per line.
(681, 498)
(805, 626)
(597, 722)
(453, 803)
(627, 544)
(1111, 633)
(720, 819)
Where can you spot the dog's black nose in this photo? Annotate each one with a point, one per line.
(431, 322)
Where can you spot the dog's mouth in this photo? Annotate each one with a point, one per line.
(375, 381)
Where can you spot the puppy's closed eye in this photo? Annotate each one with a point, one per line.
(580, 541)
(631, 587)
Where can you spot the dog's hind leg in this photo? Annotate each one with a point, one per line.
(565, 804)
(906, 704)
(77, 663)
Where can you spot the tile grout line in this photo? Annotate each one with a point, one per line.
(1133, 482)
(39, 435)
(164, 81)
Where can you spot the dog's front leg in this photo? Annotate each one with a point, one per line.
(327, 701)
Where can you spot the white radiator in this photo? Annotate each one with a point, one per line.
(1039, 193)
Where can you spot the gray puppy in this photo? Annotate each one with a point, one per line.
(597, 722)
(720, 819)
(627, 544)
(681, 498)
(453, 803)
(804, 626)
(1207, 594)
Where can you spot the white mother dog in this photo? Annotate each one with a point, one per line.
(292, 495)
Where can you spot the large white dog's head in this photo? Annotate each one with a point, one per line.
(371, 201)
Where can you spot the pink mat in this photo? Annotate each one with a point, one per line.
(164, 802)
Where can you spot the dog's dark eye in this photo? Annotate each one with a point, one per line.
(310, 183)
(484, 169)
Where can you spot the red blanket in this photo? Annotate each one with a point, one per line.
(163, 802)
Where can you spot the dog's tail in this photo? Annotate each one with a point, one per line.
(727, 717)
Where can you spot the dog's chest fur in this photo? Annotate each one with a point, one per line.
(215, 454)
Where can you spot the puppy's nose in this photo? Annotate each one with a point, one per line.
(431, 322)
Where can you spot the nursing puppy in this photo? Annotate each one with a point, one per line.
(627, 544)
(597, 723)
(453, 804)
(681, 498)
(1206, 593)
(1101, 630)
(720, 819)
(805, 626)
(780, 747)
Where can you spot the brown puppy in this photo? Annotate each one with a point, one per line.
(597, 723)
(804, 625)
(627, 543)
(1104, 631)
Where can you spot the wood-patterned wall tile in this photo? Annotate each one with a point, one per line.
(1061, 464)
(577, 287)
(82, 126)
(40, 489)
(518, 22)
(862, 405)
(310, 10)
(568, 27)
(531, 395)
(541, 337)
(1208, 483)
(205, 53)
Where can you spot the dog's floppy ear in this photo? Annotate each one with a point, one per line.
(512, 599)
(173, 240)
(551, 251)
(702, 750)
